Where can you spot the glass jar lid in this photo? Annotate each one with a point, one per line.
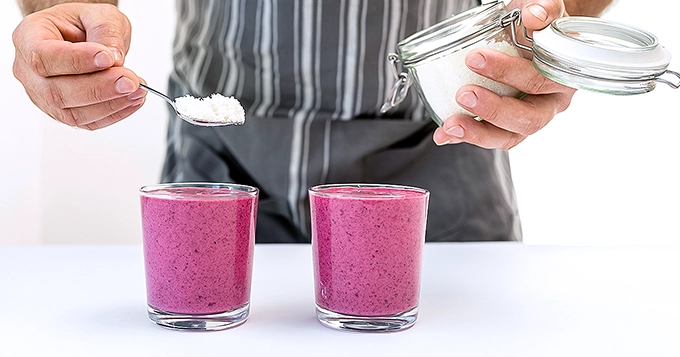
(600, 55)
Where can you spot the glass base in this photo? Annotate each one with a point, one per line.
(389, 323)
(211, 322)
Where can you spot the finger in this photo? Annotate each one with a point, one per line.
(113, 118)
(55, 41)
(105, 24)
(47, 54)
(91, 114)
(97, 115)
(516, 72)
(519, 116)
(54, 95)
(56, 58)
(460, 128)
(538, 14)
(87, 89)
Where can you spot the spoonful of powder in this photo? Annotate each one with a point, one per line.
(215, 108)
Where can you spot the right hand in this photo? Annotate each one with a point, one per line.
(70, 57)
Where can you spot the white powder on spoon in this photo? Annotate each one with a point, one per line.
(213, 109)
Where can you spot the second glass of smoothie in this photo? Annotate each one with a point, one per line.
(198, 253)
(367, 242)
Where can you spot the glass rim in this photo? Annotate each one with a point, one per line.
(152, 189)
(318, 189)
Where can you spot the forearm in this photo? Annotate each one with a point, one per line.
(586, 7)
(31, 6)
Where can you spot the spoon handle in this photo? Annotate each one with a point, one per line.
(167, 99)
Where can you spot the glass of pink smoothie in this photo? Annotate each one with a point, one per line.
(367, 242)
(198, 253)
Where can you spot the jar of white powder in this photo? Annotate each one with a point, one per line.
(580, 52)
(434, 59)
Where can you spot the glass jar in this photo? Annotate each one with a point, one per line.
(433, 59)
(580, 52)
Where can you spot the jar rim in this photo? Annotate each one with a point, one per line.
(605, 34)
(599, 55)
(458, 31)
(603, 44)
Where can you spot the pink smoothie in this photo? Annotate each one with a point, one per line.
(198, 248)
(367, 247)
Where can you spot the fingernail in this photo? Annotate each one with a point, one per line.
(476, 60)
(137, 102)
(440, 142)
(538, 11)
(117, 55)
(103, 60)
(139, 93)
(468, 99)
(125, 85)
(456, 131)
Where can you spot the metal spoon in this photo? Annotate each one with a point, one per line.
(194, 121)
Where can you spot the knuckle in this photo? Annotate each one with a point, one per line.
(54, 97)
(38, 64)
(500, 72)
(512, 141)
(17, 71)
(104, 122)
(97, 95)
(474, 137)
(90, 127)
(528, 126)
(16, 35)
(493, 114)
(564, 102)
(68, 117)
(537, 84)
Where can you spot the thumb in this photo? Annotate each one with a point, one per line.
(106, 25)
(536, 15)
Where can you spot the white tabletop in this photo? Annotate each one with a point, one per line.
(477, 299)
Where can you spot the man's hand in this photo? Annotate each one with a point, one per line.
(507, 121)
(70, 58)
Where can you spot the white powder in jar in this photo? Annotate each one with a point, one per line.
(441, 78)
(213, 109)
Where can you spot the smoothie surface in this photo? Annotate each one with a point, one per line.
(369, 192)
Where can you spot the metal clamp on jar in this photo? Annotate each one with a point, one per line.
(434, 59)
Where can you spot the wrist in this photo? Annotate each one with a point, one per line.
(30, 6)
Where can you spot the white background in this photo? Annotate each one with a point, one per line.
(604, 172)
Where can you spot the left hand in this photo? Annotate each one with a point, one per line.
(507, 121)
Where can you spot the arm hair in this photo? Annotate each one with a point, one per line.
(31, 6)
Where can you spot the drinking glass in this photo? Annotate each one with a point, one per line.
(367, 242)
(198, 253)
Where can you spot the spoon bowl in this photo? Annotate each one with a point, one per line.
(186, 118)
